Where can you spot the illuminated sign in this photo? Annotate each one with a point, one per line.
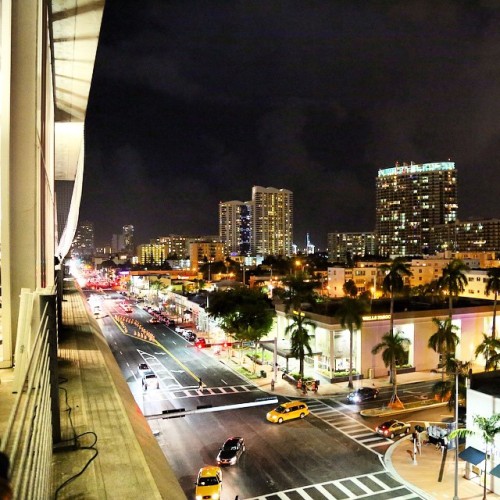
(376, 317)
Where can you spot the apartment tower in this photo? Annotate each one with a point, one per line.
(235, 226)
(411, 200)
(272, 221)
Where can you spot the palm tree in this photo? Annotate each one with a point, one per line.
(490, 349)
(446, 388)
(487, 429)
(444, 340)
(393, 282)
(299, 338)
(454, 280)
(493, 286)
(393, 349)
(350, 314)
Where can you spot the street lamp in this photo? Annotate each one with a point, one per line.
(455, 496)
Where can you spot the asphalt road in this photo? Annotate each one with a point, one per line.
(334, 449)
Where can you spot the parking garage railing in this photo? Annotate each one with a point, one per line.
(28, 438)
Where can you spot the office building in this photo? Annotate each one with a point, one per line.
(235, 229)
(83, 244)
(410, 200)
(128, 239)
(467, 236)
(272, 222)
(176, 246)
(201, 252)
(344, 246)
(152, 254)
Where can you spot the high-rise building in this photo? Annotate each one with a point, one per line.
(176, 246)
(410, 200)
(467, 236)
(128, 239)
(151, 254)
(83, 244)
(235, 226)
(341, 246)
(272, 221)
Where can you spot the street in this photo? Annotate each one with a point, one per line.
(332, 449)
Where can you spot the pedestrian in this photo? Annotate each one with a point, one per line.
(200, 384)
(313, 386)
(299, 384)
(272, 384)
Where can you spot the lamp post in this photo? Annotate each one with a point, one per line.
(455, 496)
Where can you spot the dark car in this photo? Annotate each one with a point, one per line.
(189, 336)
(231, 451)
(362, 394)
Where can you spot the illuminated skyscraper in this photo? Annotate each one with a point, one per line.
(128, 239)
(235, 226)
(272, 221)
(83, 244)
(411, 200)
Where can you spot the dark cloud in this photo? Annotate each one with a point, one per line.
(193, 103)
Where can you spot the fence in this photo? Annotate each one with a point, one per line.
(33, 423)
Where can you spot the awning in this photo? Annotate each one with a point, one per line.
(495, 471)
(472, 455)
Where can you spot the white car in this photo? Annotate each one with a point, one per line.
(179, 329)
(150, 381)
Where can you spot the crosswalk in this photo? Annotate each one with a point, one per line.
(327, 410)
(211, 391)
(375, 486)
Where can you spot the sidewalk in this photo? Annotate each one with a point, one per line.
(421, 475)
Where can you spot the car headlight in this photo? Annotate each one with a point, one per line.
(199, 497)
(215, 496)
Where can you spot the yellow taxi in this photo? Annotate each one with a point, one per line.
(209, 483)
(288, 411)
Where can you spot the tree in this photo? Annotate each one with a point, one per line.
(487, 430)
(300, 291)
(490, 349)
(350, 315)
(493, 286)
(393, 283)
(350, 289)
(444, 340)
(299, 337)
(156, 286)
(243, 313)
(454, 369)
(453, 280)
(393, 349)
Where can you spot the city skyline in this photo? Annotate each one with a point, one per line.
(193, 103)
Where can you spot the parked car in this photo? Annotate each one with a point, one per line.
(143, 368)
(208, 483)
(231, 451)
(190, 337)
(150, 381)
(171, 323)
(393, 428)
(179, 329)
(200, 343)
(288, 411)
(362, 394)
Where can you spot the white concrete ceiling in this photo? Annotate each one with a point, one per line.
(76, 26)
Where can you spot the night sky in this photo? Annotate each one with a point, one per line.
(195, 102)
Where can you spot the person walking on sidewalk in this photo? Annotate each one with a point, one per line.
(272, 384)
(200, 384)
